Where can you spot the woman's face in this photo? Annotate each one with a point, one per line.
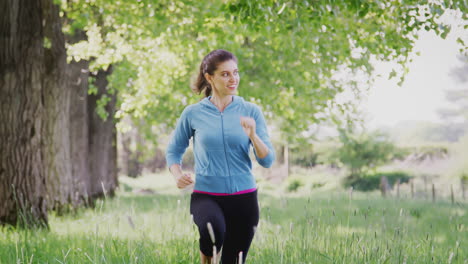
(225, 79)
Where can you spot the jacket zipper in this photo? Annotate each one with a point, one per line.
(225, 152)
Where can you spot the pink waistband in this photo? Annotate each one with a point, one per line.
(224, 194)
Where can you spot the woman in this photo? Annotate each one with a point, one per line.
(223, 126)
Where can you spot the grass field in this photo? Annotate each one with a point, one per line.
(314, 227)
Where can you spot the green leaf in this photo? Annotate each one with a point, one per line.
(392, 74)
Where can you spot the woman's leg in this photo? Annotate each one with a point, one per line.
(210, 260)
(241, 215)
(209, 219)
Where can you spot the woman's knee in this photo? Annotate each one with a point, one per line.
(212, 227)
(211, 234)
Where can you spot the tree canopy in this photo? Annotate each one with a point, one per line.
(292, 55)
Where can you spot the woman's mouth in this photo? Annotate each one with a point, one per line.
(232, 87)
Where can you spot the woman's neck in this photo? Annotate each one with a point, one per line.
(221, 102)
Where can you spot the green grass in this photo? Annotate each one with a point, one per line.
(318, 227)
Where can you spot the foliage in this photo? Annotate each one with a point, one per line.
(360, 152)
(372, 181)
(326, 152)
(464, 178)
(316, 185)
(294, 185)
(295, 57)
(303, 155)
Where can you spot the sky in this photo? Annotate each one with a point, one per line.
(422, 93)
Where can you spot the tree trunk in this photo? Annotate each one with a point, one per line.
(102, 141)
(22, 68)
(131, 154)
(78, 76)
(135, 164)
(56, 129)
(124, 152)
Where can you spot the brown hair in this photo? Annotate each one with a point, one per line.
(209, 65)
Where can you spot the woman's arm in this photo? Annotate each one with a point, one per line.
(176, 149)
(257, 132)
(249, 126)
(182, 179)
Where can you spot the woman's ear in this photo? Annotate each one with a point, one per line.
(208, 77)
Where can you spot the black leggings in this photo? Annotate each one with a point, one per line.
(233, 218)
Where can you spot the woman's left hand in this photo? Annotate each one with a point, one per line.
(248, 124)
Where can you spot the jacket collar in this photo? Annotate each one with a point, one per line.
(236, 100)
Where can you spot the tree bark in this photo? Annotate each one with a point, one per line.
(22, 174)
(78, 76)
(102, 141)
(131, 155)
(124, 156)
(56, 129)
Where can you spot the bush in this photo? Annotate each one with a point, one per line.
(309, 155)
(464, 178)
(317, 185)
(372, 181)
(294, 185)
(361, 152)
(304, 159)
(303, 155)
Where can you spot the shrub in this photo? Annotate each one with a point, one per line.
(464, 178)
(317, 185)
(372, 181)
(361, 152)
(125, 187)
(304, 159)
(303, 155)
(294, 185)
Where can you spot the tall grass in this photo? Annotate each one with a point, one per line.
(315, 228)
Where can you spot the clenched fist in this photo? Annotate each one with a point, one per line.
(248, 124)
(184, 180)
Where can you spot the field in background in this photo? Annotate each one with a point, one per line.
(441, 166)
(149, 222)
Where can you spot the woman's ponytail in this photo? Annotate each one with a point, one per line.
(202, 84)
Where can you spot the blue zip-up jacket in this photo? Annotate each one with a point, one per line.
(220, 145)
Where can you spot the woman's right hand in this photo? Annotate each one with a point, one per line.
(184, 180)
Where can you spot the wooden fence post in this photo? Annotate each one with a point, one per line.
(425, 185)
(384, 185)
(412, 189)
(451, 194)
(462, 181)
(398, 188)
(433, 193)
